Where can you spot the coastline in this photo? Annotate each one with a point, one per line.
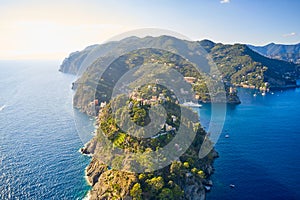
(96, 169)
(88, 194)
(86, 150)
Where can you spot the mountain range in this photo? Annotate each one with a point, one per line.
(290, 53)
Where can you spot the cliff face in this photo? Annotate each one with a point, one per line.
(109, 184)
(112, 184)
(76, 60)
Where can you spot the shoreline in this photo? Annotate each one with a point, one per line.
(88, 194)
(205, 186)
(197, 189)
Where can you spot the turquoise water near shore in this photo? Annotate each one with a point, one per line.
(39, 143)
(261, 155)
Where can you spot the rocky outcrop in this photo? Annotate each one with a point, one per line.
(90, 147)
(108, 184)
(194, 190)
(233, 99)
(113, 185)
(94, 171)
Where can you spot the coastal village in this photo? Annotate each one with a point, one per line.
(157, 96)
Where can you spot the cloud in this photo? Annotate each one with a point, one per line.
(289, 34)
(225, 1)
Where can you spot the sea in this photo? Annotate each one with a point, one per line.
(39, 140)
(261, 156)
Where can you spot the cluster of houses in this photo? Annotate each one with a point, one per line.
(94, 107)
(95, 103)
(135, 95)
(262, 88)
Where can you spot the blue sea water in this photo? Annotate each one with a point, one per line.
(261, 157)
(39, 144)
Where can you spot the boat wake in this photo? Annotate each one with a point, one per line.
(2, 107)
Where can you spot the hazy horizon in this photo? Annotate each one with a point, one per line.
(51, 30)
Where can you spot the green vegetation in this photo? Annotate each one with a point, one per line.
(238, 64)
(241, 66)
(166, 183)
(139, 114)
(136, 192)
(90, 86)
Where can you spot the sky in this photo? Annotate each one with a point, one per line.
(42, 29)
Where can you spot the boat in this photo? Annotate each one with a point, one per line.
(227, 136)
(263, 94)
(232, 186)
(192, 104)
(207, 187)
(254, 95)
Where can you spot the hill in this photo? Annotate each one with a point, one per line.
(182, 174)
(102, 67)
(78, 62)
(290, 53)
(238, 65)
(98, 83)
(243, 67)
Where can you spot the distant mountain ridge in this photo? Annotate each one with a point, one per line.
(290, 53)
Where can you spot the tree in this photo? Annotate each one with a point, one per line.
(175, 167)
(139, 116)
(177, 191)
(194, 170)
(186, 164)
(201, 174)
(166, 194)
(156, 183)
(136, 192)
(142, 176)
